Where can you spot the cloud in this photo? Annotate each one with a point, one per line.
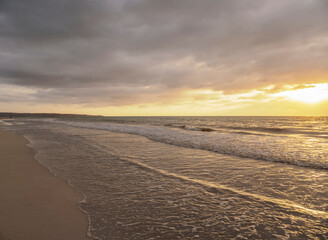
(105, 53)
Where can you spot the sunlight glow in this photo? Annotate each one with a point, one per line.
(313, 93)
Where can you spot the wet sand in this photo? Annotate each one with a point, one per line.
(34, 204)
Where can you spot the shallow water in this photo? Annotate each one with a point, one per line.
(157, 179)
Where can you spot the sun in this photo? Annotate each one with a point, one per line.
(313, 93)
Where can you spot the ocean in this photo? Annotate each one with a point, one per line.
(189, 177)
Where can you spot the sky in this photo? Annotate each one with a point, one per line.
(172, 57)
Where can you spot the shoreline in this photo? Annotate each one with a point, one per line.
(34, 203)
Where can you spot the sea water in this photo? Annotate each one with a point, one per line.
(190, 177)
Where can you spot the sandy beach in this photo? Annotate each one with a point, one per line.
(34, 204)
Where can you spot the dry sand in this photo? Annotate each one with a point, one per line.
(34, 204)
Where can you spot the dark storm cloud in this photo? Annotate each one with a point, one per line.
(131, 51)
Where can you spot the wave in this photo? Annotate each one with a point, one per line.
(259, 147)
(264, 129)
(247, 130)
(251, 130)
(202, 129)
(191, 128)
(5, 123)
(277, 131)
(216, 188)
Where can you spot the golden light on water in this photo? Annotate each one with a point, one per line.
(313, 93)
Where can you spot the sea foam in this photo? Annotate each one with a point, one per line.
(278, 148)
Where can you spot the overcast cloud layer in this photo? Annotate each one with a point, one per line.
(105, 53)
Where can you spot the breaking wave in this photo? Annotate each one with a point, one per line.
(255, 146)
